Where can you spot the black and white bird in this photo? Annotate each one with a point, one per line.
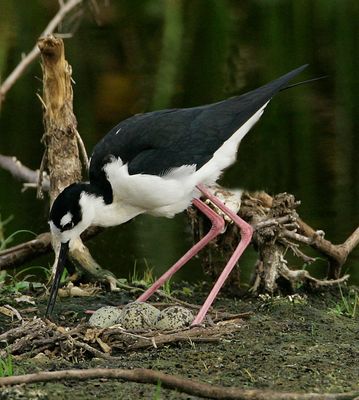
(159, 163)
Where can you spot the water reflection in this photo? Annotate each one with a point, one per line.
(157, 54)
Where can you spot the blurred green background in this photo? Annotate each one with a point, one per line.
(131, 56)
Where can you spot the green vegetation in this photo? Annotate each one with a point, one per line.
(167, 287)
(6, 366)
(15, 284)
(6, 240)
(347, 305)
(157, 393)
(146, 279)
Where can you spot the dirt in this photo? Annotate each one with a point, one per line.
(289, 344)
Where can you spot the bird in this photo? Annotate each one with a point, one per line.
(159, 163)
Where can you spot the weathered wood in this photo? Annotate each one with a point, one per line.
(62, 161)
(277, 229)
(63, 144)
(65, 9)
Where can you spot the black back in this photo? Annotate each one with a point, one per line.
(156, 142)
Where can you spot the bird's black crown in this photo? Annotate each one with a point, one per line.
(68, 201)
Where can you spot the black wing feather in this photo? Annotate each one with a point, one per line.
(156, 142)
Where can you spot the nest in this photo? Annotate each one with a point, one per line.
(37, 337)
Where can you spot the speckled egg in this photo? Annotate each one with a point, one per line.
(138, 315)
(105, 317)
(174, 317)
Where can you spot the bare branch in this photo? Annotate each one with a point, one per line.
(337, 253)
(27, 251)
(82, 149)
(22, 173)
(192, 387)
(30, 57)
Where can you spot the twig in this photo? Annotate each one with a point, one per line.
(30, 57)
(296, 236)
(93, 351)
(20, 172)
(274, 221)
(337, 253)
(123, 331)
(82, 150)
(15, 311)
(194, 388)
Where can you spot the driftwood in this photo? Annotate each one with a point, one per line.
(277, 229)
(186, 385)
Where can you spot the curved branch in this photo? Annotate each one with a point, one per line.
(194, 388)
(30, 57)
(22, 173)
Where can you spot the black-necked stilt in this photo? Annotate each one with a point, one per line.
(159, 163)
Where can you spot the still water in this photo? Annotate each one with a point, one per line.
(136, 56)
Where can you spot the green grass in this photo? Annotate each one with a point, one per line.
(146, 279)
(14, 284)
(157, 393)
(347, 305)
(167, 288)
(6, 240)
(6, 366)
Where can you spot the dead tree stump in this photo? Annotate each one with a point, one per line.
(63, 144)
(61, 157)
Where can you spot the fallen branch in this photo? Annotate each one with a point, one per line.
(17, 255)
(189, 386)
(22, 173)
(30, 57)
(24, 252)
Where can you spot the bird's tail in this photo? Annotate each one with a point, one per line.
(304, 82)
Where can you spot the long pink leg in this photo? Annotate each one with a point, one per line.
(216, 229)
(246, 236)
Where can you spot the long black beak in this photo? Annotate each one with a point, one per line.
(56, 282)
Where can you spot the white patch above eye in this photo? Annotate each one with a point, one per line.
(66, 219)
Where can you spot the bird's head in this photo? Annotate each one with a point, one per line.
(69, 217)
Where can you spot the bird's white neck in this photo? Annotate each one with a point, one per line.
(96, 212)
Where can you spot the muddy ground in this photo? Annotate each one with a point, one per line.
(288, 344)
